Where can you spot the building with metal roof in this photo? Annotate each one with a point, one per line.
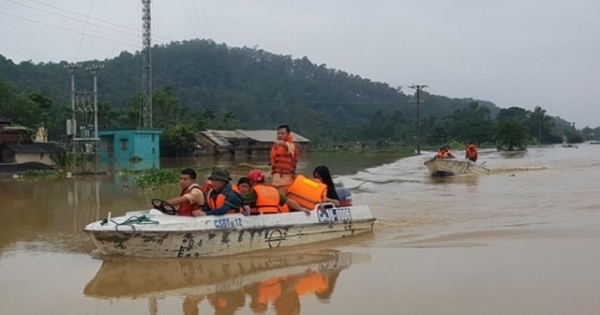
(244, 142)
(29, 152)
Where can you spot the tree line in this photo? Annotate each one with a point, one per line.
(200, 84)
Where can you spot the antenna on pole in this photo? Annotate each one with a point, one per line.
(146, 68)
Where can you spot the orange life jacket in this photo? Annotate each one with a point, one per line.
(441, 154)
(219, 302)
(311, 283)
(282, 161)
(235, 188)
(307, 192)
(207, 186)
(471, 151)
(218, 201)
(269, 290)
(187, 208)
(267, 200)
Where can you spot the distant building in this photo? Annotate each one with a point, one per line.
(244, 142)
(25, 152)
(127, 146)
(19, 153)
(18, 147)
(10, 134)
(5, 122)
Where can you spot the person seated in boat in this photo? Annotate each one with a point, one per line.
(266, 199)
(447, 153)
(221, 198)
(191, 198)
(322, 174)
(441, 153)
(243, 185)
(308, 192)
(471, 151)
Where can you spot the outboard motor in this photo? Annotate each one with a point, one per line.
(345, 196)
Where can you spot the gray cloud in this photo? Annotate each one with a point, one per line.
(514, 53)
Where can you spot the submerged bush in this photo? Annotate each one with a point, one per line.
(41, 174)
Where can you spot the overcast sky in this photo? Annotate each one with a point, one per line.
(523, 53)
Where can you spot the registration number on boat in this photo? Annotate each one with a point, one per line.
(228, 223)
(334, 215)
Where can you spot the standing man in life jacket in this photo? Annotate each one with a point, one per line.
(191, 198)
(284, 158)
(471, 151)
(263, 199)
(222, 199)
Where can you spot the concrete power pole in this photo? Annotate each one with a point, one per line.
(418, 88)
(94, 72)
(146, 68)
(72, 130)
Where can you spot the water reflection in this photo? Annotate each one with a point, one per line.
(51, 213)
(226, 284)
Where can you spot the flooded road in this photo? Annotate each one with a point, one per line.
(523, 240)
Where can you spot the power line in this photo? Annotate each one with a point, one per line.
(84, 28)
(197, 17)
(205, 19)
(96, 32)
(88, 17)
(189, 19)
(161, 20)
(71, 18)
(65, 29)
(123, 30)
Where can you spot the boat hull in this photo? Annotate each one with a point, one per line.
(225, 235)
(157, 278)
(452, 167)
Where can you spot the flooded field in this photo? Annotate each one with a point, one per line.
(523, 240)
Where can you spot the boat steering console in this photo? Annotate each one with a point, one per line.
(163, 206)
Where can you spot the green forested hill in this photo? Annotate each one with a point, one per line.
(261, 89)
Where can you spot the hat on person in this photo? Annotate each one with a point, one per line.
(219, 174)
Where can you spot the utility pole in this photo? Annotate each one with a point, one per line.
(146, 67)
(540, 131)
(94, 72)
(72, 67)
(418, 88)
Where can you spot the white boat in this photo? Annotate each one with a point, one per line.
(151, 233)
(134, 278)
(449, 167)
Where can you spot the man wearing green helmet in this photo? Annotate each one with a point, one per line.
(221, 198)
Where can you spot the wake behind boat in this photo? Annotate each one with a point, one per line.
(449, 167)
(152, 233)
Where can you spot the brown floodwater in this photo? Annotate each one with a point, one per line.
(523, 240)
